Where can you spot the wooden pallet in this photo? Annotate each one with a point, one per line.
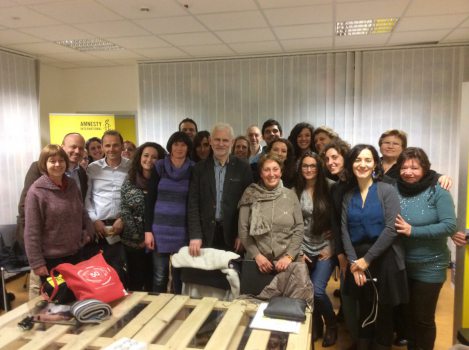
(163, 321)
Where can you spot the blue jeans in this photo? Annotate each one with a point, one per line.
(320, 275)
(161, 274)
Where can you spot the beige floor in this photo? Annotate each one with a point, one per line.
(444, 314)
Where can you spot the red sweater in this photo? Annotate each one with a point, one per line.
(55, 221)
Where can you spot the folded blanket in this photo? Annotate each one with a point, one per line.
(90, 311)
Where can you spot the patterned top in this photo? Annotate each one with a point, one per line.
(132, 214)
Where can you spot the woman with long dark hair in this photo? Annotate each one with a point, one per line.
(201, 146)
(312, 189)
(376, 276)
(301, 137)
(133, 193)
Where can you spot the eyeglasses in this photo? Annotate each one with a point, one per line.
(308, 166)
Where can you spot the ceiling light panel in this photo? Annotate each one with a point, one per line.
(366, 26)
(87, 45)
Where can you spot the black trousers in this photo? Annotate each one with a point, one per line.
(219, 238)
(420, 314)
(53, 262)
(139, 269)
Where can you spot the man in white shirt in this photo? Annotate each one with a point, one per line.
(105, 178)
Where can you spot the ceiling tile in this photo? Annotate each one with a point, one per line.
(234, 20)
(437, 7)
(299, 15)
(140, 42)
(162, 53)
(95, 63)
(115, 54)
(55, 33)
(8, 3)
(289, 3)
(465, 24)
(208, 50)
(72, 56)
(125, 62)
(77, 11)
(246, 35)
(112, 29)
(458, 35)
(304, 31)
(408, 24)
(62, 65)
(191, 39)
(417, 37)
(211, 6)
(16, 37)
(131, 9)
(17, 17)
(361, 40)
(370, 9)
(307, 44)
(42, 48)
(257, 48)
(184, 24)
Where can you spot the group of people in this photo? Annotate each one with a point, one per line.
(310, 198)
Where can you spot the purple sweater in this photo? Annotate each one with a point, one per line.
(55, 221)
(170, 216)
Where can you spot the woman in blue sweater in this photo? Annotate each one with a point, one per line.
(166, 209)
(376, 274)
(427, 219)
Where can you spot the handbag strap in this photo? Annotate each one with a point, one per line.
(51, 297)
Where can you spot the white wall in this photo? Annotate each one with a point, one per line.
(105, 89)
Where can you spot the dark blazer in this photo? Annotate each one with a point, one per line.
(202, 199)
(32, 175)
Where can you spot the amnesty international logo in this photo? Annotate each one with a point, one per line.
(88, 125)
(107, 125)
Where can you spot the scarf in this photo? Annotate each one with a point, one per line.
(406, 189)
(253, 196)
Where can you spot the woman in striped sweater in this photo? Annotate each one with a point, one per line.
(166, 209)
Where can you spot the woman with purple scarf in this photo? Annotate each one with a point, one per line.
(166, 209)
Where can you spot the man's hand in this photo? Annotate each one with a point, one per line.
(264, 265)
(459, 238)
(118, 226)
(360, 278)
(238, 246)
(402, 226)
(282, 264)
(194, 247)
(41, 271)
(100, 228)
(149, 241)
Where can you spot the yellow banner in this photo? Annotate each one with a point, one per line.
(89, 125)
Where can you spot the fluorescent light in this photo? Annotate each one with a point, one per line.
(366, 26)
(86, 45)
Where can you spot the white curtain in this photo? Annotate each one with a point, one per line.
(19, 128)
(359, 94)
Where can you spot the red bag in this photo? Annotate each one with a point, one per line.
(92, 279)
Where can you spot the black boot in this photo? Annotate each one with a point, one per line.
(318, 326)
(330, 337)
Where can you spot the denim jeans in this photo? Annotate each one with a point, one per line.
(320, 275)
(161, 274)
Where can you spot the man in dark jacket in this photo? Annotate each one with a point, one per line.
(217, 185)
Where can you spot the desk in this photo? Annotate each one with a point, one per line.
(165, 321)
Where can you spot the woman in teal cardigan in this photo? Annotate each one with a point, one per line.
(426, 221)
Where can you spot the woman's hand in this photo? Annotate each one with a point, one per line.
(325, 253)
(305, 259)
(282, 264)
(459, 238)
(41, 271)
(118, 226)
(264, 265)
(360, 278)
(359, 265)
(194, 247)
(402, 226)
(445, 182)
(149, 241)
(342, 264)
